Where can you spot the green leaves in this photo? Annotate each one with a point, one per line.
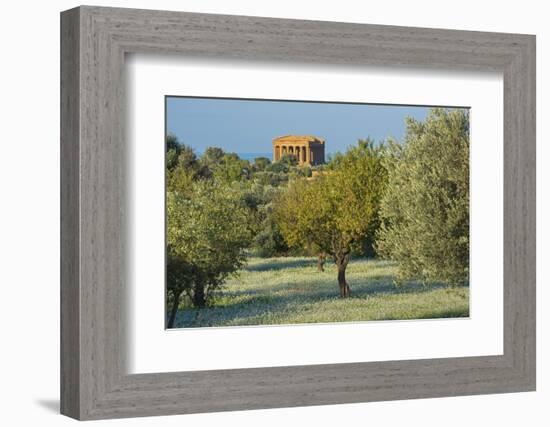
(207, 232)
(339, 208)
(425, 209)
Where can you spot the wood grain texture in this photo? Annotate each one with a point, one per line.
(94, 270)
(70, 296)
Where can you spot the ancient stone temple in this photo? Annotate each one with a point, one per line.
(307, 149)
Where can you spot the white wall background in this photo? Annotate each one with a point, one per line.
(29, 213)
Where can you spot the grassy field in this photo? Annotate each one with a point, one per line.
(291, 290)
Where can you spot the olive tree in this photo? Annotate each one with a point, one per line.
(337, 210)
(425, 209)
(295, 215)
(208, 230)
(182, 166)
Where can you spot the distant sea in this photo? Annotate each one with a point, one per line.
(251, 156)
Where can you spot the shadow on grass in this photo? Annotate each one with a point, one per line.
(327, 289)
(279, 264)
(265, 300)
(451, 313)
(324, 286)
(243, 312)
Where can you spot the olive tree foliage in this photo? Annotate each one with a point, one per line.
(182, 166)
(268, 240)
(425, 209)
(207, 233)
(297, 210)
(209, 225)
(231, 168)
(212, 156)
(336, 211)
(261, 163)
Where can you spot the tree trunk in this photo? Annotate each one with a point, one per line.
(174, 310)
(199, 297)
(342, 263)
(321, 258)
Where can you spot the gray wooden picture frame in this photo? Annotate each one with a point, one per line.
(94, 41)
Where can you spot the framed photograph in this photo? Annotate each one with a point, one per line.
(261, 213)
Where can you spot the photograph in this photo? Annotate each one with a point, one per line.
(282, 212)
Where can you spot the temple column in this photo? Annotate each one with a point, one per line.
(308, 158)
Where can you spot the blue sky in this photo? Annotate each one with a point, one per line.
(248, 126)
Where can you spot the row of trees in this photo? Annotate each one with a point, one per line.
(218, 206)
(407, 202)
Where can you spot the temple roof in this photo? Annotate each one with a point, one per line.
(297, 139)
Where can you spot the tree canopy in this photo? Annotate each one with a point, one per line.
(208, 228)
(425, 209)
(407, 202)
(335, 211)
